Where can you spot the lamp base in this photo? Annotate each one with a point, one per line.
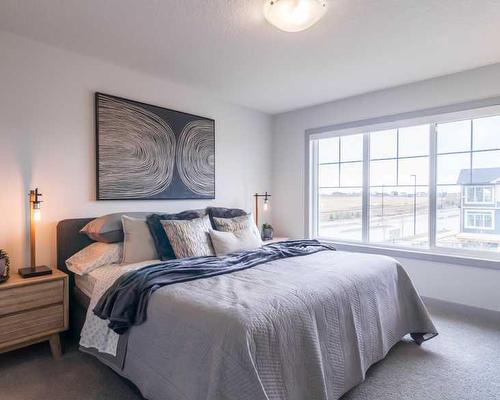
(30, 272)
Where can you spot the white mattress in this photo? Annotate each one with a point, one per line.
(85, 283)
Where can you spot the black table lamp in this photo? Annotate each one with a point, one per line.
(35, 216)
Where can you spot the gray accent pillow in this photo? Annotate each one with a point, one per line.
(163, 247)
(236, 224)
(108, 228)
(230, 242)
(138, 244)
(223, 212)
(189, 238)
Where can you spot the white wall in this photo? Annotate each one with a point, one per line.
(467, 285)
(47, 140)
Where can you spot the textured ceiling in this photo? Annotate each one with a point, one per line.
(226, 47)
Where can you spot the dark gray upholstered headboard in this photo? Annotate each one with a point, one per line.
(70, 241)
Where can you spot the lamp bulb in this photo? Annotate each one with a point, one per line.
(37, 215)
(266, 205)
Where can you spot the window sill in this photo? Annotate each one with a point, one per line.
(416, 254)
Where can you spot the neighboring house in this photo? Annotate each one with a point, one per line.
(480, 201)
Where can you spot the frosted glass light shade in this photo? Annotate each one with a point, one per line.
(37, 215)
(294, 15)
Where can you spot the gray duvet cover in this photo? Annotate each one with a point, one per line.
(297, 328)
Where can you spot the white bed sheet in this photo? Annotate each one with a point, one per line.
(95, 333)
(87, 282)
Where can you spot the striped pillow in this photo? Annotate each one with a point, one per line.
(236, 224)
(189, 238)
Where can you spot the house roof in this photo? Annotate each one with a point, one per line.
(479, 176)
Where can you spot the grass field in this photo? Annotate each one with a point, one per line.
(333, 207)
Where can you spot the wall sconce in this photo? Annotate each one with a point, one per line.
(266, 197)
(35, 216)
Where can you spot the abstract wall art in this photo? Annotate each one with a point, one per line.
(148, 152)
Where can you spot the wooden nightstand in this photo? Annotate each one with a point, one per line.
(33, 310)
(276, 240)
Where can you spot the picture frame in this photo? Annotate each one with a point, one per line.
(148, 152)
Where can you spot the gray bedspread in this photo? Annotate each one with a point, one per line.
(297, 328)
(125, 303)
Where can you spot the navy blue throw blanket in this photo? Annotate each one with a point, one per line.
(125, 303)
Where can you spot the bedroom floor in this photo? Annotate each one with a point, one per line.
(461, 363)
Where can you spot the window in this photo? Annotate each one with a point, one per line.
(410, 185)
(340, 171)
(399, 186)
(479, 219)
(479, 194)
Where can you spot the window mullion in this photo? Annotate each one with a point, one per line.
(314, 193)
(432, 185)
(366, 189)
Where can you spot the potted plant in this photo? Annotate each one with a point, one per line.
(4, 266)
(267, 232)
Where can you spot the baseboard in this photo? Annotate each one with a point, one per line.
(465, 311)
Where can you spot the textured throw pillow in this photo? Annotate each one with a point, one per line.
(138, 244)
(236, 224)
(190, 238)
(162, 244)
(222, 212)
(94, 256)
(108, 228)
(230, 242)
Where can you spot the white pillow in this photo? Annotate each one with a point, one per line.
(138, 243)
(94, 256)
(229, 242)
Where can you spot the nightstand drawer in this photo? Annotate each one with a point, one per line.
(31, 296)
(28, 323)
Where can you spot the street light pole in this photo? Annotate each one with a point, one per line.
(383, 201)
(414, 204)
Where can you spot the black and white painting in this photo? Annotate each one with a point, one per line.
(149, 152)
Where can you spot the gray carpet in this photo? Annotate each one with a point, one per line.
(462, 363)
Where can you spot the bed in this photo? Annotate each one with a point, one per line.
(296, 328)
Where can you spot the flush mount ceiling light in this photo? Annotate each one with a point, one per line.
(294, 15)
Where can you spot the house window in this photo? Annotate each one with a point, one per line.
(399, 186)
(409, 185)
(479, 219)
(479, 194)
(340, 171)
